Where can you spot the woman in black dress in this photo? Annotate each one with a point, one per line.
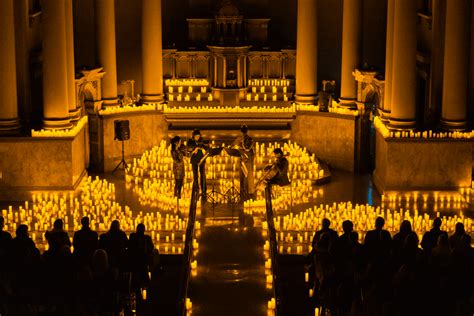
(177, 153)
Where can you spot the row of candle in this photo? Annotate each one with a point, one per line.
(256, 97)
(229, 109)
(274, 89)
(131, 108)
(331, 109)
(97, 201)
(387, 133)
(190, 89)
(70, 132)
(187, 98)
(269, 82)
(186, 82)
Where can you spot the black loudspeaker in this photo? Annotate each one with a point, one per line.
(122, 130)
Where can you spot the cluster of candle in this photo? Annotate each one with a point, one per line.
(186, 82)
(264, 89)
(199, 97)
(229, 109)
(387, 133)
(131, 108)
(265, 97)
(190, 89)
(269, 82)
(97, 201)
(295, 231)
(438, 199)
(70, 132)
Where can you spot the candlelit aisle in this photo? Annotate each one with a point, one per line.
(230, 279)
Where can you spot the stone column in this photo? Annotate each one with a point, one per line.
(8, 94)
(106, 49)
(74, 111)
(351, 50)
(387, 101)
(239, 76)
(244, 61)
(307, 52)
(224, 71)
(55, 84)
(456, 64)
(403, 108)
(215, 72)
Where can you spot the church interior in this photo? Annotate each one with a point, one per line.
(236, 157)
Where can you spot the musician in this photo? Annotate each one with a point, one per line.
(281, 169)
(177, 153)
(245, 145)
(197, 149)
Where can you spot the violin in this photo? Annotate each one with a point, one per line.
(270, 172)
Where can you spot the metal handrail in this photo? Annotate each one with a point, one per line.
(273, 251)
(187, 253)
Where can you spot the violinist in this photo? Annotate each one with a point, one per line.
(197, 149)
(245, 145)
(177, 153)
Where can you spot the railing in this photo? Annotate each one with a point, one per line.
(273, 251)
(187, 254)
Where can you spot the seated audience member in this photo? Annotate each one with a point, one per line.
(140, 254)
(332, 234)
(85, 242)
(430, 238)
(400, 237)
(5, 239)
(456, 240)
(114, 242)
(57, 238)
(378, 241)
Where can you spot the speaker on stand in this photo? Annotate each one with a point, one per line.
(122, 133)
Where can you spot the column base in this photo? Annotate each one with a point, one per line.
(384, 115)
(56, 123)
(453, 125)
(348, 103)
(75, 115)
(152, 98)
(401, 124)
(306, 98)
(9, 125)
(109, 102)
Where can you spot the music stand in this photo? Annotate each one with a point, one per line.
(122, 164)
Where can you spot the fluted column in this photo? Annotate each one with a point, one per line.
(8, 95)
(106, 49)
(152, 51)
(351, 50)
(74, 111)
(307, 52)
(387, 101)
(456, 64)
(403, 108)
(55, 86)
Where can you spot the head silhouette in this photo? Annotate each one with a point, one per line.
(326, 223)
(405, 226)
(175, 141)
(460, 228)
(437, 222)
(85, 222)
(244, 129)
(115, 225)
(2, 222)
(379, 222)
(278, 152)
(22, 231)
(141, 229)
(58, 224)
(196, 134)
(347, 226)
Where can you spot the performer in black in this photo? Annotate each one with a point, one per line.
(197, 148)
(177, 153)
(276, 173)
(245, 145)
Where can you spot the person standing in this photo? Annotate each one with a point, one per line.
(245, 145)
(178, 153)
(197, 148)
